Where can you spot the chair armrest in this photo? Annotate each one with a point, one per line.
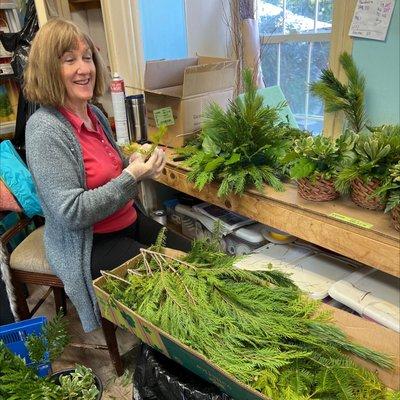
(17, 228)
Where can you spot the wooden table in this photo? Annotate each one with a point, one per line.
(377, 246)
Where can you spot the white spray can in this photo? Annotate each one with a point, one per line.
(118, 101)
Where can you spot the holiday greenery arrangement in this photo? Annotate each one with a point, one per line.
(20, 382)
(255, 325)
(241, 146)
(374, 154)
(314, 163)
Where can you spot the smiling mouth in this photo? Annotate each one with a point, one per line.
(83, 82)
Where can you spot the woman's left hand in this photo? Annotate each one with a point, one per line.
(141, 153)
(141, 168)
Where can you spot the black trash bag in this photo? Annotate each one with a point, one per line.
(159, 378)
(20, 42)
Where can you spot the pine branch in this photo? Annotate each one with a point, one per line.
(349, 98)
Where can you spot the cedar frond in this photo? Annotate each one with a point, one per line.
(255, 325)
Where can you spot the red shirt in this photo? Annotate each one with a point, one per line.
(102, 163)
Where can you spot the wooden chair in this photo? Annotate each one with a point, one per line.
(28, 265)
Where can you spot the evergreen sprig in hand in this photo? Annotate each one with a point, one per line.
(134, 147)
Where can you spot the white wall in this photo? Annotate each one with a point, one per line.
(207, 30)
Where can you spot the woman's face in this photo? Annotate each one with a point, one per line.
(78, 73)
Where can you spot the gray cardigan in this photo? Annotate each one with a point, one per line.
(55, 159)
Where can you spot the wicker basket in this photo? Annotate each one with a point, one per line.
(317, 190)
(361, 194)
(396, 218)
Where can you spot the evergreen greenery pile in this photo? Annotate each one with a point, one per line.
(349, 98)
(241, 146)
(374, 154)
(255, 325)
(320, 156)
(20, 382)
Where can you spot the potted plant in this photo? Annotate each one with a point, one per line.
(241, 146)
(314, 163)
(375, 153)
(20, 381)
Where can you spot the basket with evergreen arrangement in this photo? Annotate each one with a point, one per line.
(314, 163)
(375, 153)
(349, 97)
(241, 146)
(392, 188)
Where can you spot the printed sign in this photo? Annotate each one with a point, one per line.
(371, 19)
(164, 116)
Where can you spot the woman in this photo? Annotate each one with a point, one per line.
(84, 185)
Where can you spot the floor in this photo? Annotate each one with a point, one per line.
(114, 388)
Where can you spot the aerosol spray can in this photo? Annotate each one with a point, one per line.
(118, 101)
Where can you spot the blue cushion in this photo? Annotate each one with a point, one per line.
(15, 174)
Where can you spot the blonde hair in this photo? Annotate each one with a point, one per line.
(42, 76)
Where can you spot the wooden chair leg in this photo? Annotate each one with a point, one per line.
(22, 305)
(111, 340)
(59, 299)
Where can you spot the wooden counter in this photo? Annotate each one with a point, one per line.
(377, 246)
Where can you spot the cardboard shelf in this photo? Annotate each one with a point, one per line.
(377, 245)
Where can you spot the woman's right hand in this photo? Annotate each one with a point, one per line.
(141, 169)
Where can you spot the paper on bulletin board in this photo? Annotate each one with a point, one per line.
(371, 19)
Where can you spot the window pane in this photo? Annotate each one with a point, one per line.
(294, 62)
(319, 61)
(270, 17)
(294, 74)
(325, 12)
(269, 64)
(299, 17)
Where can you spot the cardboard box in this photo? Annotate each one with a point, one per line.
(360, 330)
(177, 93)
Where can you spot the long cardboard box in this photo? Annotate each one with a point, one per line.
(361, 331)
(178, 92)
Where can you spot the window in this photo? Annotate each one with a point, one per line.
(295, 44)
